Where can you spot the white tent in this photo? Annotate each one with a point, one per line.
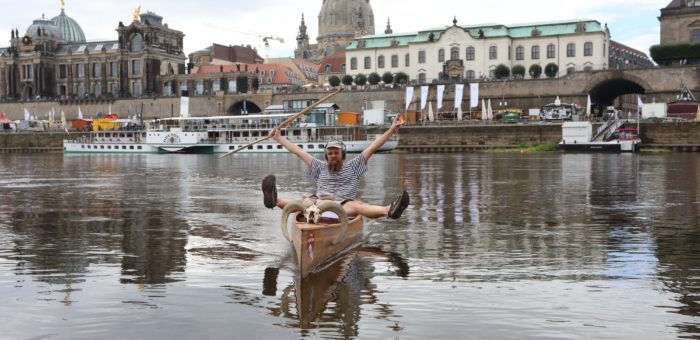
(484, 113)
(430, 112)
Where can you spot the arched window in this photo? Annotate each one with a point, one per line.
(136, 43)
(535, 53)
(551, 51)
(571, 50)
(470, 53)
(380, 61)
(570, 69)
(421, 78)
(519, 53)
(471, 75)
(328, 68)
(588, 49)
(588, 68)
(441, 55)
(421, 57)
(329, 50)
(493, 52)
(395, 60)
(353, 63)
(454, 53)
(695, 35)
(368, 63)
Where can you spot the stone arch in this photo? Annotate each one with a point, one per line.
(243, 106)
(604, 90)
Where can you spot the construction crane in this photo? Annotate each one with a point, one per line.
(265, 38)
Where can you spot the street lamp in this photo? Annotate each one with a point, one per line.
(503, 99)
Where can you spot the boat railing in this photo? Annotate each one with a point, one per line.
(603, 128)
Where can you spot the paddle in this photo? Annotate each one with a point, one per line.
(285, 122)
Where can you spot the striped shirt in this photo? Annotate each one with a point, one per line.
(344, 183)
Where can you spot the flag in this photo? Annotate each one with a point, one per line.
(474, 95)
(440, 93)
(423, 96)
(430, 112)
(588, 106)
(484, 113)
(459, 113)
(489, 109)
(109, 112)
(639, 101)
(459, 93)
(409, 96)
(80, 113)
(27, 116)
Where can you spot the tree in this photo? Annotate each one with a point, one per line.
(374, 78)
(401, 78)
(551, 70)
(388, 78)
(502, 71)
(361, 79)
(535, 71)
(519, 71)
(334, 81)
(347, 80)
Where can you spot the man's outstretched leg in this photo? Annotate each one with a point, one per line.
(398, 206)
(393, 211)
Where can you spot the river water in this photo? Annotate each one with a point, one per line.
(503, 246)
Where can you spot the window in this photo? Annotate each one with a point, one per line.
(136, 88)
(353, 63)
(695, 35)
(570, 70)
(535, 53)
(342, 68)
(136, 43)
(327, 68)
(454, 53)
(441, 55)
(470, 53)
(62, 74)
(551, 51)
(493, 52)
(519, 53)
(408, 59)
(80, 70)
(471, 75)
(421, 57)
(571, 50)
(368, 63)
(112, 69)
(394, 60)
(421, 78)
(216, 85)
(96, 70)
(98, 89)
(380, 61)
(588, 68)
(492, 74)
(588, 49)
(136, 67)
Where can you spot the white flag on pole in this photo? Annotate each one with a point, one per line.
(409, 96)
(440, 93)
(430, 112)
(459, 93)
(489, 109)
(588, 106)
(80, 113)
(459, 113)
(27, 116)
(639, 101)
(484, 113)
(110, 109)
(423, 96)
(474, 95)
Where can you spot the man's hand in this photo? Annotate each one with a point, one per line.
(274, 133)
(398, 121)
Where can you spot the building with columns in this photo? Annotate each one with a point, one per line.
(460, 53)
(680, 22)
(53, 60)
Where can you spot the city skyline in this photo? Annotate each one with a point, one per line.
(633, 23)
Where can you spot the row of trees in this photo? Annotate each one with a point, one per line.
(503, 72)
(372, 79)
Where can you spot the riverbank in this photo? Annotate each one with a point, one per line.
(443, 138)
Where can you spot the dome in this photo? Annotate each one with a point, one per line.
(345, 18)
(47, 28)
(70, 29)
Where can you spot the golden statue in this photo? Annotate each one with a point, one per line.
(137, 13)
(63, 4)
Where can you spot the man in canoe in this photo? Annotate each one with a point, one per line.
(336, 179)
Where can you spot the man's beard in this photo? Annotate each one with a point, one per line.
(335, 165)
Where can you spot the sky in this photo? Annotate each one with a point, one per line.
(631, 22)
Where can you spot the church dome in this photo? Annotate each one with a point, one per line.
(70, 29)
(44, 28)
(345, 18)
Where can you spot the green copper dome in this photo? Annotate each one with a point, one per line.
(70, 29)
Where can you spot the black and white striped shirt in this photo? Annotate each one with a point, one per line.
(344, 183)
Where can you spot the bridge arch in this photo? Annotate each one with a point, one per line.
(243, 106)
(606, 87)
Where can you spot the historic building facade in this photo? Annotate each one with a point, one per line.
(680, 22)
(473, 52)
(53, 60)
(339, 22)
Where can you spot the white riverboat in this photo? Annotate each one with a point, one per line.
(221, 134)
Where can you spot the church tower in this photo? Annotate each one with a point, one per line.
(302, 51)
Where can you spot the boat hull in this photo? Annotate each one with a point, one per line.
(313, 243)
(611, 147)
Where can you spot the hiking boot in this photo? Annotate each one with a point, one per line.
(269, 190)
(398, 206)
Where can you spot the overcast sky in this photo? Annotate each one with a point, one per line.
(631, 22)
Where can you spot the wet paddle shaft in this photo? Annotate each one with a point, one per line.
(285, 122)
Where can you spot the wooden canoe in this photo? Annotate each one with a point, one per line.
(314, 243)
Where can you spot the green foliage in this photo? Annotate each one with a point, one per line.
(374, 78)
(551, 70)
(361, 79)
(668, 53)
(388, 78)
(535, 71)
(334, 81)
(502, 71)
(519, 71)
(401, 78)
(347, 80)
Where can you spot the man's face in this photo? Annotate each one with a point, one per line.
(335, 159)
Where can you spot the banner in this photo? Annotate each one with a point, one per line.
(440, 93)
(27, 116)
(80, 113)
(639, 101)
(409, 96)
(423, 96)
(474, 95)
(184, 107)
(430, 112)
(459, 93)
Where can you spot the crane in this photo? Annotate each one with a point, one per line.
(265, 38)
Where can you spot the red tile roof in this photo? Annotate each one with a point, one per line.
(335, 61)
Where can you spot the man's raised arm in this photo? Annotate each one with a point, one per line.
(379, 141)
(293, 148)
